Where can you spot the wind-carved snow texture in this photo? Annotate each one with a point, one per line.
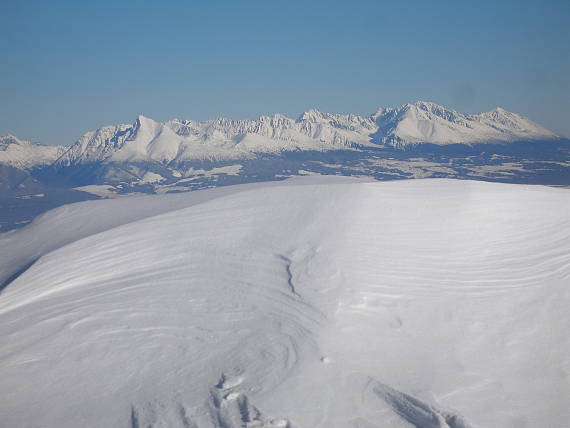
(416, 412)
(311, 303)
(226, 407)
(290, 281)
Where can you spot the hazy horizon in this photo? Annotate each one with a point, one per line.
(73, 69)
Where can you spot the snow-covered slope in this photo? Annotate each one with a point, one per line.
(425, 122)
(24, 154)
(220, 139)
(312, 303)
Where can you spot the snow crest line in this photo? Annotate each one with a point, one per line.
(16, 275)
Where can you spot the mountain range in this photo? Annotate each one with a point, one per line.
(416, 140)
(221, 139)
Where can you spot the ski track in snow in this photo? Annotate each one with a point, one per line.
(317, 302)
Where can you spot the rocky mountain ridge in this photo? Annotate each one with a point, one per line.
(405, 127)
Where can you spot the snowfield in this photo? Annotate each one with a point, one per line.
(310, 303)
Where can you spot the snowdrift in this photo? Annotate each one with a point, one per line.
(318, 302)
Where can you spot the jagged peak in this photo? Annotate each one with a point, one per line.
(142, 120)
(431, 107)
(12, 139)
(418, 105)
(313, 115)
(427, 104)
(381, 111)
(274, 117)
(26, 154)
(498, 111)
(145, 126)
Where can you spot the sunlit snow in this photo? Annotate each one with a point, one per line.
(318, 302)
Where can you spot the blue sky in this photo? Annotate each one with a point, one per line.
(68, 67)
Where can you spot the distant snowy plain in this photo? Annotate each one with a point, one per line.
(310, 303)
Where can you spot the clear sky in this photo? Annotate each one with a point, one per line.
(71, 66)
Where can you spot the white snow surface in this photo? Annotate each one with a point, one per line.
(221, 139)
(314, 302)
(24, 154)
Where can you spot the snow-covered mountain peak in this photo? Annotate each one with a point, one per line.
(277, 120)
(426, 122)
(11, 140)
(423, 105)
(512, 123)
(144, 122)
(427, 110)
(313, 115)
(25, 154)
(6, 140)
